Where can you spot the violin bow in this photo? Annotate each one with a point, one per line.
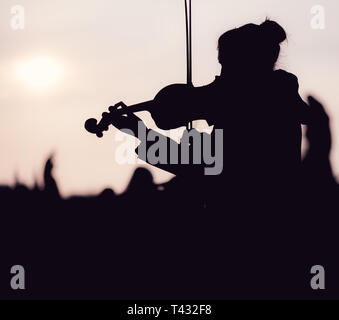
(188, 18)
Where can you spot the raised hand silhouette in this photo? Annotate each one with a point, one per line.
(51, 188)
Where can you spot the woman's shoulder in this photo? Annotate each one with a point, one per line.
(286, 79)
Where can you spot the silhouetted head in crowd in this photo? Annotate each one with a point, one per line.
(141, 181)
(251, 48)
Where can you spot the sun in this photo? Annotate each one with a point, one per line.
(39, 73)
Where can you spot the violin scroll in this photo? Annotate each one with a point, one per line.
(92, 125)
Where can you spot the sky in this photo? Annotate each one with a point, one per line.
(75, 58)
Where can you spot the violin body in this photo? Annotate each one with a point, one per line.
(172, 106)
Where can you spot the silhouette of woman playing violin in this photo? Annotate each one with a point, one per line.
(259, 109)
(252, 203)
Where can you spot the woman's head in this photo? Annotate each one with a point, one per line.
(251, 46)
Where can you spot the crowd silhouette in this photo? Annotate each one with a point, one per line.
(254, 231)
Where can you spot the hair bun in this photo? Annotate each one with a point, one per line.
(273, 31)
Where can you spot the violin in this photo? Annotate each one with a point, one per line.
(172, 107)
(169, 109)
